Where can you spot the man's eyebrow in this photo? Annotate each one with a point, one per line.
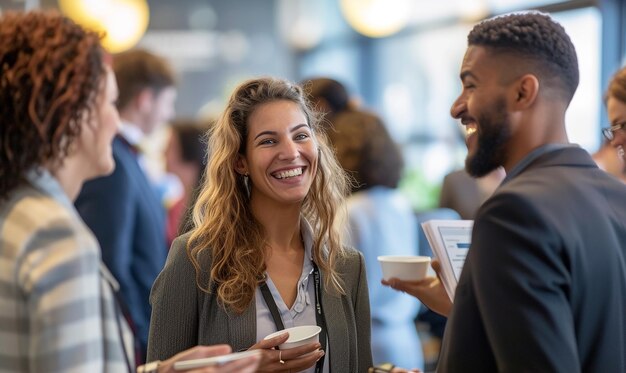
(465, 74)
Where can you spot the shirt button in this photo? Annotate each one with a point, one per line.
(299, 307)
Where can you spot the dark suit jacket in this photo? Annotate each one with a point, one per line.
(124, 213)
(184, 315)
(544, 283)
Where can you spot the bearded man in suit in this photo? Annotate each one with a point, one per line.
(543, 288)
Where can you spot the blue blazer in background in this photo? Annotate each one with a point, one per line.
(126, 216)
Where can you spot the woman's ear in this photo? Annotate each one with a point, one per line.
(241, 166)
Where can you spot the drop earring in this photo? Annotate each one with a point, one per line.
(246, 182)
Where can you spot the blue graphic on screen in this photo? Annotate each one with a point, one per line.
(457, 242)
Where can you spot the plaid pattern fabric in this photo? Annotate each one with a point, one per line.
(57, 307)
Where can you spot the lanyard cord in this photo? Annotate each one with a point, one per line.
(269, 300)
(319, 316)
(119, 307)
(319, 312)
(121, 311)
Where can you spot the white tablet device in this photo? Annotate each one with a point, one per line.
(215, 360)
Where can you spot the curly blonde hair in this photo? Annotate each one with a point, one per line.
(224, 226)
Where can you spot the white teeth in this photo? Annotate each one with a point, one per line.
(470, 131)
(290, 173)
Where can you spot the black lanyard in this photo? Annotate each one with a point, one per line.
(121, 312)
(319, 312)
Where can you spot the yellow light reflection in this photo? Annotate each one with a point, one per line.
(376, 18)
(123, 21)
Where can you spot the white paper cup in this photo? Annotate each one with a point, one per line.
(298, 336)
(407, 268)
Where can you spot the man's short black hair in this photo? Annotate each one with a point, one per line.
(536, 38)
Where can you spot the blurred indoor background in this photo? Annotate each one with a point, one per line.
(400, 58)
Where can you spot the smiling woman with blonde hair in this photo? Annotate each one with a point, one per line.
(264, 253)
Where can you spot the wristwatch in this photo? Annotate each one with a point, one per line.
(151, 367)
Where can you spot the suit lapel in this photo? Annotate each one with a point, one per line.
(148, 194)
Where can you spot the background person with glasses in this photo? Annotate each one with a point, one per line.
(608, 159)
(615, 100)
(609, 133)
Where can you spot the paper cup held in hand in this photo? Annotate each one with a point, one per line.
(298, 336)
(407, 268)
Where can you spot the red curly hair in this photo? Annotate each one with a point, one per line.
(50, 72)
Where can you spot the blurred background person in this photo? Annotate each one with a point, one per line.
(609, 160)
(464, 194)
(380, 222)
(185, 156)
(57, 123)
(328, 96)
(616, 108)
(123, 209)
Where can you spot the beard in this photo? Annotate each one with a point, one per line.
(493, 134)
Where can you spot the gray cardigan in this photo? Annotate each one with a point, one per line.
(184, 316)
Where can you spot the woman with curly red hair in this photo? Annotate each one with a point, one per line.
(57, 120)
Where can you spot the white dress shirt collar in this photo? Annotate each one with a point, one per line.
(132, 133)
